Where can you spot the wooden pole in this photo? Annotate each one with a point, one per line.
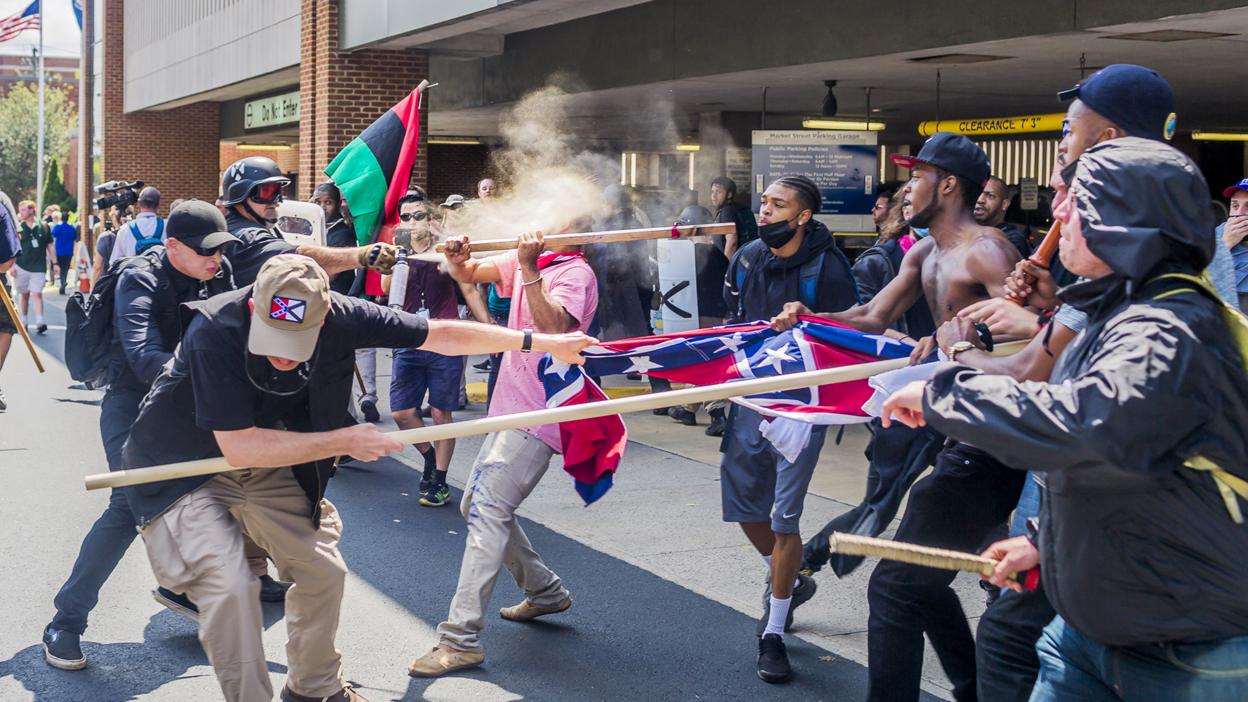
(610, 237)
(21, 325)
(638, 403)
(914, 554)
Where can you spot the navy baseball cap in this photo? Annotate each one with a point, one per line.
(952, 152)
(1133, 97)
(1241, 185)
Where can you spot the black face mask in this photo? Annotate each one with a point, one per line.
(777, 234)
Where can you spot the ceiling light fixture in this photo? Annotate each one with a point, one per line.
(847, 125)
(829, 101)
(454, 141)
(688, 147)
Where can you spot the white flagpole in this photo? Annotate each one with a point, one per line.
(39, 158)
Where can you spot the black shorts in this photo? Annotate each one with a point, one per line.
(7, 326)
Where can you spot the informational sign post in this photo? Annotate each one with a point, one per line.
(1028, 193)
(842, 164)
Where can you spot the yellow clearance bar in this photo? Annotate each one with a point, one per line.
(983, 126)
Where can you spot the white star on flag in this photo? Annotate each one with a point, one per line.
(559, 368)
(731, 344)
(777, 357)
(642, 364)
(880, 342)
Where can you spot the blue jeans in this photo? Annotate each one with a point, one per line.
(101, 551)
(1076, 668)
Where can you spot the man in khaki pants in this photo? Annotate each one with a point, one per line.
(263, 378)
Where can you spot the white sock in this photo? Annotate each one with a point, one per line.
(779, 613)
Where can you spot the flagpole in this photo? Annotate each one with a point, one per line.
(567, 413)
(39, 157)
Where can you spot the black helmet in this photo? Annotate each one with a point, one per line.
(245, 174)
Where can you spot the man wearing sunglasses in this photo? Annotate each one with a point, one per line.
(251, 189)
(149, 290)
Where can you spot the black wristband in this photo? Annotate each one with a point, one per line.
(527, 346)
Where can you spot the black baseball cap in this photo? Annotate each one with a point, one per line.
(1133, 97)
(199, 224)
(954, 153)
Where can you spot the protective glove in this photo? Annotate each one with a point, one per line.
(378, 257)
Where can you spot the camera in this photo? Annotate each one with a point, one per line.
(117, 193)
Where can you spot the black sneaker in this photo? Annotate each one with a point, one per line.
(369, 408)
(773, 659)
(683, 416)
(178, 604)
(659, 411)
(482, 366)
(41, 329)
(272, 590)
(61, 649)
(718, 423)
(806, 587)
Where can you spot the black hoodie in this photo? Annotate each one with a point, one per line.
(759, 282)
(1136, 548)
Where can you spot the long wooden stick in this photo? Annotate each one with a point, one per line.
(533, 418)
(610, 237)
(913, 554)
(21, 326)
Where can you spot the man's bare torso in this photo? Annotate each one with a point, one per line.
(948, 275)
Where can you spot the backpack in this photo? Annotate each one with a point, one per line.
(747, 226)
(89, 328)
(142, 243)
(1231, 487)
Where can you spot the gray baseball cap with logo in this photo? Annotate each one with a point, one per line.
(290, 302)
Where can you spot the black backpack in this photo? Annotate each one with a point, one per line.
(89, 328)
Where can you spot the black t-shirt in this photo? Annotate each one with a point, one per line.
(213, 384)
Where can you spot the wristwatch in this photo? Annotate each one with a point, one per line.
(527, 346)
(957, 348)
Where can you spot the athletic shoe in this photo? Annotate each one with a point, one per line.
(659, 412)
(178, 604)
(369, 408)
(4, 404)
(683, 416)
(482, 366)
(773, 659)
(805, 590)
(41, 329)
(526, 611)
(62, 649)
(272, 590)
(346, 694)
(633, 376)
(718, 423)
(444, 659)
(437, 496)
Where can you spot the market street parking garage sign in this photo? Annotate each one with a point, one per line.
(842, 164)
(272, 110)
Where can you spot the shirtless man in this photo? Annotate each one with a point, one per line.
(969, 493)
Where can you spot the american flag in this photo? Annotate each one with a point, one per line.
(711, 356)
(12, 26)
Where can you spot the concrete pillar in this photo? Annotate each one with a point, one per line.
(341, 93)
(175, 150)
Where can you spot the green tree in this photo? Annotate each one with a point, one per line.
(54, 192)
(19, 130)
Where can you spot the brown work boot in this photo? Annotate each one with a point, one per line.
(346, 694)
(444, 659)
(526, 611)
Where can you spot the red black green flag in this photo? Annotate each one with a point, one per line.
(373, 171)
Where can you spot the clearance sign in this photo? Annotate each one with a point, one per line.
(983, 126)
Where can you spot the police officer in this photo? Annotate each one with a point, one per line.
(251, 189)
(149, 289)
(261, 377)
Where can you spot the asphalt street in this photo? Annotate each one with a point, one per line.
(665, 594)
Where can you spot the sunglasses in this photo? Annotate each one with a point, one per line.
(267, 193)
(413, 216)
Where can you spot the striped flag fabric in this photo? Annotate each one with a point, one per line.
(14, 25)
(712, 356)
(373, 171)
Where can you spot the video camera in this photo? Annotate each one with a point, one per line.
(117, 193)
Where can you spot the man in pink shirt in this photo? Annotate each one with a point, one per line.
(551, 289)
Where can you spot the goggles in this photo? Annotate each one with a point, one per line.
(267, 193)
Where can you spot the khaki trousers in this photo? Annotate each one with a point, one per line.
(196, 547)
(507, 469)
